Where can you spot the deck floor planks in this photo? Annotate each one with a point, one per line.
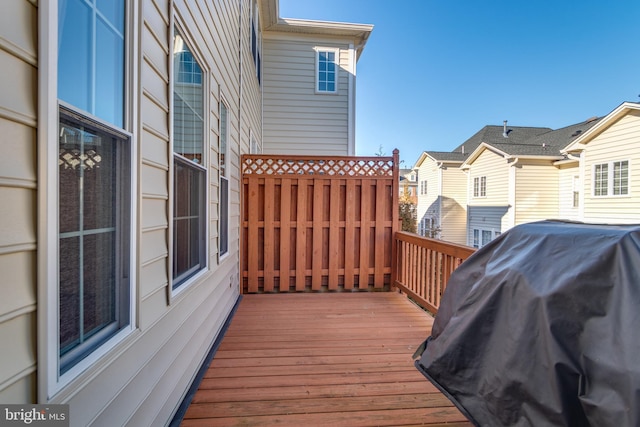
(335, 359)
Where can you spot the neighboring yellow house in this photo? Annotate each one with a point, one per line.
(514, 177)
(123, 124)
(442, 196)
(606, 166)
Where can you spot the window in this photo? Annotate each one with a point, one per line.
(91, 57)
(611, 178)
(94, 181)
(189, 171)
(482, 237)
(224, 180)
(480, 186)
(423, 187)
(576, 191)
(256, 40)
(327, 70)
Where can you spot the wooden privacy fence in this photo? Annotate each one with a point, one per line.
(424, 266)
(318, 223)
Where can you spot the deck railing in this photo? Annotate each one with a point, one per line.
(423, 267)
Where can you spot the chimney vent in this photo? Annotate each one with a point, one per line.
(504, 129)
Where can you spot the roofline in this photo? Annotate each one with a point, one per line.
(583, 139)
(272, 22)
(479, 149)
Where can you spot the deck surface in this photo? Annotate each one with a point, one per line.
(340, 359)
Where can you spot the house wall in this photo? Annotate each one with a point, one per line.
(18, 192)
(143, 379)
(536, 191)
(566, 176)
(454, 205)
(296, 119)
(492, 211)
(618, 142)
(429, 204)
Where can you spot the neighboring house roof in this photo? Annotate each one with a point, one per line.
(599, 126)
(271, 22)
(440, 157)
(494, 135)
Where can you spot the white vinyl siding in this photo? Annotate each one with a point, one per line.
(568, 183)
(619, 142)
(297, 120)
(18, 184)
(428, 208)
(453, 216)
(144, 378)
(536, 192)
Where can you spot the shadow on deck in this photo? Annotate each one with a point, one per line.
(339, 359)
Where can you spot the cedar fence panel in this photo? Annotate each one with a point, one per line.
(317, 223)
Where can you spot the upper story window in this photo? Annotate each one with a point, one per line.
(189, 164)
(611, 179)
(256, 40)
(94, 201)
(423, 187)
(91, 73)
(327, 70)
(480, 186)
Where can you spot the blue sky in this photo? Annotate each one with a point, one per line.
(434, 72)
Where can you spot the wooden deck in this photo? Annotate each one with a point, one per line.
(340, 359)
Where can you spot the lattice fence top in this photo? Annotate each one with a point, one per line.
(347, 167)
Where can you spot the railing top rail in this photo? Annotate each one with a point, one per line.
(447, 248)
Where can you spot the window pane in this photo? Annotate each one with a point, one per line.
(188, 103)
(224, 135)
(188, 221)
(113, 12)
(75, 74)
(94, 212)
(91, 57)
(224, 216)
(109, 84)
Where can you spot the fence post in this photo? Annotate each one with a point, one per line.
(395, 216)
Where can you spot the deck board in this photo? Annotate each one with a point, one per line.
(340, 359)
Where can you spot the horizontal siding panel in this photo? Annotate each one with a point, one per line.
(18, 149)
(155, 149)
(15, 34)
(154, 214)
(20, 391)
(153, 276)
(154, 181)
(17, 211)
(536, 193)
(18, 86)
(20, 355)
(155, 116)
(155, 85)
(153, 245)
(19, 270)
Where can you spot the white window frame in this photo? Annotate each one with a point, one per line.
(255, 147)
(223, 233)
(336, 51)
(478, 236)
(610, 179)
(50, 382)
(480, 186)
(175, 289)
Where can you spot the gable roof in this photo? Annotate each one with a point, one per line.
(600, 126)
(272, 22)
(493, 135)
(440, 157)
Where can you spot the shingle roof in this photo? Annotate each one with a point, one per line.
(493, 135)
(448, 156)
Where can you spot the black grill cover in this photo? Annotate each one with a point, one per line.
(541, 327)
